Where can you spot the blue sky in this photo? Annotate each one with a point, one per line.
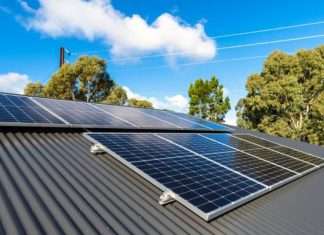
(29, 43)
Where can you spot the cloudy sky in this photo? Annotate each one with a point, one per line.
(154, 49)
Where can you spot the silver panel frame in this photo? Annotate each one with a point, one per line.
(206, 216)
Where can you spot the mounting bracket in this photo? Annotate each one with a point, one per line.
(97, 148)
(166, 198)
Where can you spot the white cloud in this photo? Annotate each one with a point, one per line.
(13, 82)
(231, 118)
(127, 35)
(226, 92)
(177, 103)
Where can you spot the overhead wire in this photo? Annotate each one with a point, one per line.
(157, 55)
(314, 36)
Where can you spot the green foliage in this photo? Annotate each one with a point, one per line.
(62, 84)
(86, 79)
(117, 96)
(207, 99)
(140, 103)
(287, 98)
(34, 89)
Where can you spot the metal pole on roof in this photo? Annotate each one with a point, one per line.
(63, 52)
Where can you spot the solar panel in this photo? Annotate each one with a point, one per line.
(81, 113)
(202, 185)
(159, 119)
(270, 155)
(165, 115)
(21, 109)
(297, 154)
(137, 117)
(208, 175)
(200, 121)
(35, 110)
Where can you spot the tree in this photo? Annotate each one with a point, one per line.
(287, 98)
(117, 96)
(34, 89)
(62, 85)
(139, 103)
(86, 79)
(207, 99)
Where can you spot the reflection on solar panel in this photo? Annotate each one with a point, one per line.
(206, 186)
(81, 113)
(203, 122)
(165, 115)
(159, 119)
(254, 148)
(20, 109)
(23, 109)
(136, 117)
(283, 149)
(208, 173)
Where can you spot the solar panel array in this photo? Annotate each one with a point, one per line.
(208, 173)
(25, 110)
(20, 109)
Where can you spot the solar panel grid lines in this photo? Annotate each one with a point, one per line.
(195, 185)
(255, 168)
(111, 114)
(166, 115)
(141, 146)
(196, 143)
(282, 160)
(160, 119)
(202, 156)
(190, 177)
(21, 109)
(243, 151)
(137, 117)
(48, 110)
(245, 163)
(207, 123)
(307, 158)
(275, 157)
(81, 113)
(190, 165)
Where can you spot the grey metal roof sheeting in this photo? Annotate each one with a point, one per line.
(51, 184)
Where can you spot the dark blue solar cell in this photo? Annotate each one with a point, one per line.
(139, 147)
(204, 191)
(199, 181)
(82, 113)
(196, 143)
(5, 116)
(205, 123)
(4, 101)
(208, 171)
(255, 168)
(137, 117)
(167, 116)
(20, 115)
(282, 149)
(15, 108)
(232, 141)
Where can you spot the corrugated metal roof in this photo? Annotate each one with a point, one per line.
(51, 184)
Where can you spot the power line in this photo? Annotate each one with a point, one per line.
(221, 48)
(268, 30)
(207, 62)
(217, 37)
(210, 62)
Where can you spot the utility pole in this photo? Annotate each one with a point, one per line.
(62, 56)
(63, 52)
